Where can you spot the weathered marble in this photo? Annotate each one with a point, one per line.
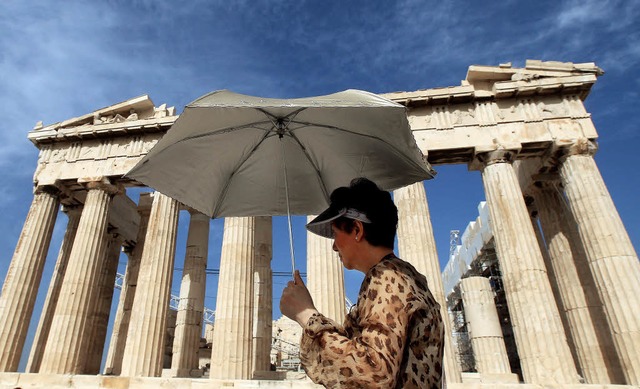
(66, 353)
(20, 286)
(192, 290)
(113, 363)
(44, 325)
(485, 333)
(581, 305)
(610, 253)
(263, 295)
(231, 356)
(545, 356)
(144, 350)
(102, 309)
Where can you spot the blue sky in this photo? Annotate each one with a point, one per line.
(61, 60)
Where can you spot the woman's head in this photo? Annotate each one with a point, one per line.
(362, 200)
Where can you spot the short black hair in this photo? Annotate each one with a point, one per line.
(365, 196)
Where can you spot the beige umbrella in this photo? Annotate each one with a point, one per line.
(236, 155)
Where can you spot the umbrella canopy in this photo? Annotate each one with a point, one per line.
(235, 155)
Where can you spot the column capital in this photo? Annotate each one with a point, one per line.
(102, 183)
(581, 146)
(49, 189)
(500, 155)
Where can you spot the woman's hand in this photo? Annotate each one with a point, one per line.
(296, 302)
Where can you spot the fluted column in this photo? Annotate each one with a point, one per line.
(263, 292)
(20, 286)
(144, 350)
(102, 309)
(553, 282)
(610, 253)
(192, 290)
(66, 350)
(113, 363)
(49, 307)
(484, 328)
(588, 328)
(545, 356)
(325, 276)
(231, 355)
(417, 245)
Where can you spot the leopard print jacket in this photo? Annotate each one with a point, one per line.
(393, 338)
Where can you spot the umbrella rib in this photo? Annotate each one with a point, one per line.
(273, 117)
(226, 130)
(223, 194)
(407, 159)
(325, 191)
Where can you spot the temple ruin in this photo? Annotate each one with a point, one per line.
(553, 278)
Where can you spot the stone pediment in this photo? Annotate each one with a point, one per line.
(129, 115)
(534, 69)
(504, 81)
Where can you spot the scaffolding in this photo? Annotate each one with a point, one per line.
(473, 254)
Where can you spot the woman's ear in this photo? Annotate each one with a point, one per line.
(358, 228)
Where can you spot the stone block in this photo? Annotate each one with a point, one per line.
(508, 378)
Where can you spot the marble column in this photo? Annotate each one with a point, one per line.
(544, 353)
(144, 349)
(610, 253)
(231, 355)
(20, 286)
(485, 332)
(325, 277)
(102, 309)
(417, 245)
(192, 291)
(553, 281)
(113, 364)
(263, 293)
(66, 352)
(49, 307)
(583, 309)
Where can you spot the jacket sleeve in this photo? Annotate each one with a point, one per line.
(373, 357)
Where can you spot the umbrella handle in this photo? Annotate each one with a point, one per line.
(286, 195)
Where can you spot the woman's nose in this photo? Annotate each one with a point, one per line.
(334, 246)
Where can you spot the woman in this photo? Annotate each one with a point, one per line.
(393, 338)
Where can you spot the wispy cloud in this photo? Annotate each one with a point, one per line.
(575, 13)
(59, 62)
(604, 31)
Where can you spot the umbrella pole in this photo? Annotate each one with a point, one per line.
(286, 195)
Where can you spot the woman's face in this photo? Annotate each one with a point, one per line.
(344, 243)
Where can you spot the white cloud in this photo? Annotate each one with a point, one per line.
(583, 12)
(59, 62)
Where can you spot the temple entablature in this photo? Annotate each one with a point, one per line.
(107, 142)
(530, 110)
